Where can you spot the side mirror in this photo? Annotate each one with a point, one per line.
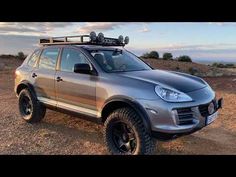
(82, 68)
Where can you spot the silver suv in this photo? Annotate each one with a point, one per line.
(95, 77)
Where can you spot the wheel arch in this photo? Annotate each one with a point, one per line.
(23, 85)
(119, 102)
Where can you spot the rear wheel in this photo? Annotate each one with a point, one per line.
(30, 109)
(124, 133)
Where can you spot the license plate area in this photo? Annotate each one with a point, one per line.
(211, 118)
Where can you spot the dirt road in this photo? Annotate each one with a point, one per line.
(62, 134)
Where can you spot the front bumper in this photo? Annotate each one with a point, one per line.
(165, 117)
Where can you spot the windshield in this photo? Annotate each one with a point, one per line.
(118, 61)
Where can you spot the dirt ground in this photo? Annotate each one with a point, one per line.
(62, 134)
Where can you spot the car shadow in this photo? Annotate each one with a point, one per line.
(71, 127)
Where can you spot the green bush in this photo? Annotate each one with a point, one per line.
(21, 56)
(152, 54)
(184, 58)
(221, 65)
(145, 55)
(230, 65)
(167, 56)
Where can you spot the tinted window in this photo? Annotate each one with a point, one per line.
(33, 58)
(70, 57)
(48, 58)
(118, 61)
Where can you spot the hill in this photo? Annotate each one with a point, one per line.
(197, 69)
(190, 68)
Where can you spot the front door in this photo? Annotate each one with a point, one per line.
(74, 91)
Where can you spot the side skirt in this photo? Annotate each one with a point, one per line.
(76, 114)
(71, 110)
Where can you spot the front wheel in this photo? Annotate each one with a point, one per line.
(125, 134)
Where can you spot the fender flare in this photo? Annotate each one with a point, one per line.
(28, 85)
(134, 105)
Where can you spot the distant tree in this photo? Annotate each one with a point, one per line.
(167, 56)
(215, 64)
(230, 65)
(221, 65)
(21, 55)
(154, 54)
(145, 55)
(184, 58)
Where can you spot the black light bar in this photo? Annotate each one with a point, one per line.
(91, 39)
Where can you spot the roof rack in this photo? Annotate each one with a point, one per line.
(91, 39)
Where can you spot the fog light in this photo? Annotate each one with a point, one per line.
(211, 108)
(174, 116)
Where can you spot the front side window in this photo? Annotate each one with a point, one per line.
(70, 57)
(48, 58)
(118, 61)
(33, 58)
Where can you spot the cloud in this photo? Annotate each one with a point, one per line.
(144, 29)
(99, 26)
(222, 23)
(30, 28)
(198, 46)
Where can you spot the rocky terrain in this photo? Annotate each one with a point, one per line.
(63, 134)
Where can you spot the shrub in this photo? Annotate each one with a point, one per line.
(21, 56)
(145, 55)
(221, 65)
(185, 58)
(167, 56)
(192, 70)
(152, 54)
(230, 65)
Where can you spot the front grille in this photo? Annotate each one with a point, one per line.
(203, 109)
(185, 116)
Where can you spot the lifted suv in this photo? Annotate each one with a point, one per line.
(100, 80)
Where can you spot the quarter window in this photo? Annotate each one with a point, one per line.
(33, 58)
(48, 58)
(70, 57)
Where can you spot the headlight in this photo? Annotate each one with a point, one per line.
(170, 95)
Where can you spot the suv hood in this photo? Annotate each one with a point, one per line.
(180, 81)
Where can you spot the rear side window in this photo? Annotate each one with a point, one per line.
(34, 57)
(48, 58)
(70, 57)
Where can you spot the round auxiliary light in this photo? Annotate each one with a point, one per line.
(101, 37)
(93, 36)
(121, 39)
(126, 40)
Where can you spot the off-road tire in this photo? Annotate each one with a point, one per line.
(38, 110)
(145, 143)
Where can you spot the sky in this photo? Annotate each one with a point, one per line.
(205, 41)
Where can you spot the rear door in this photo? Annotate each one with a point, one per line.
(74, 91)
(44, 75)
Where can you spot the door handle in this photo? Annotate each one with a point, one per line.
(58, 79)
(34, 75)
